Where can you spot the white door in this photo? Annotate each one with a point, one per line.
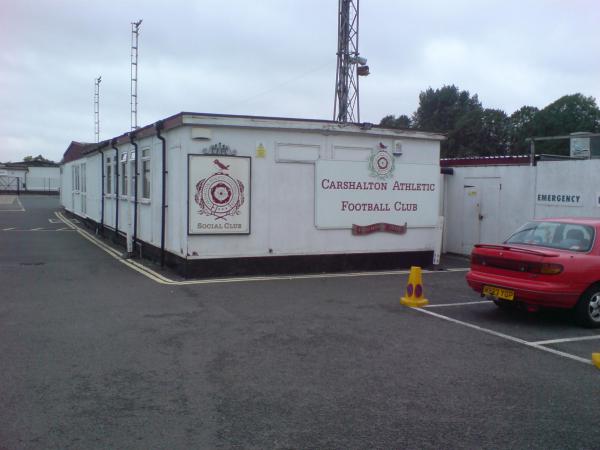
(470, 218)
(481, 212)
(490, 214)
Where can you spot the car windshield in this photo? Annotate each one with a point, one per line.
(567, 236)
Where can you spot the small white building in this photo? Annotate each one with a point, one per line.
(30, 176)
(219, 194)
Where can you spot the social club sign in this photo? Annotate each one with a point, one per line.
(218, 194)
(349, 193)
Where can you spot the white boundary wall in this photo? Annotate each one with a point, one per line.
(507, 196)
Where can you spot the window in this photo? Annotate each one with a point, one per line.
(108, 176)
(562, 235)
(124, 174)
(146, 173)
(133, 172)
(83, 184)
(75, 169)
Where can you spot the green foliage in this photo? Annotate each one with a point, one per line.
(451, 111)
(522, 125)
(568, 114)
(402, 121)
(472, 130)
(38, 158)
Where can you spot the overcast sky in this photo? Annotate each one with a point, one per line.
(275, 58)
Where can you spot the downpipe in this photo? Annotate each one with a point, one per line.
(135, 189)
(160, 126)
(102, 192)
(114, 147)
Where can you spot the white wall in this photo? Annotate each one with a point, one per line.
(515, 202)
(283, 196)
(43, 178)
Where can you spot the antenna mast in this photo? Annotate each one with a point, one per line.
(97, 107)
(135, 32)
(349, 64)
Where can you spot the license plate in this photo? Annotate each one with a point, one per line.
(504, 294)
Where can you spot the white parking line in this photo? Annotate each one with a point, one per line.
(505, 336)
(439, 305)
(574, 339)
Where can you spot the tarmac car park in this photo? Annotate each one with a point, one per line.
(101, 352)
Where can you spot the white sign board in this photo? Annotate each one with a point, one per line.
(218, 194)
(580, 147)
(351, 193)
(559, 199)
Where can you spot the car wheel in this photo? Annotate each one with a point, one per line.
(587, 310)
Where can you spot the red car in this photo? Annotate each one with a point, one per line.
(551, 263)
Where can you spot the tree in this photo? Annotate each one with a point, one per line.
(472, 130)
(449, 110)
(569, 114)
(38, 158)
(391, 121)
(494, 136)
(522, 125)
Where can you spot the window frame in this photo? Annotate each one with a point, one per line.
(124, 179)
(108, 188)
(146, 174)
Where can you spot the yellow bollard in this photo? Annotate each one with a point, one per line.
(596, 359)
(414, 290)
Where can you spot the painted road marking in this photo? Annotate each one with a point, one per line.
(36, 229)
(505, 336)
(54, 221)
(159, 278)
(574, 339)
(10, 200)
(7, 199)
(8, 229)
(439, 305)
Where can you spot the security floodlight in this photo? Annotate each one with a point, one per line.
(360, 60)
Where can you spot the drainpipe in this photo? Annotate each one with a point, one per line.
(135, 189)
(102, 190)
(113, 145)
(159, 126)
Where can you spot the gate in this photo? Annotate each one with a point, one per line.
(9, 184)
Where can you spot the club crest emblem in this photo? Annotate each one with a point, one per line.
(381, 163)
(219, 195)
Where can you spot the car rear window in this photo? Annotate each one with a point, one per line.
(566, 236)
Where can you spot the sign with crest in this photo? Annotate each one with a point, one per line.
(379, 194)
(218, 194)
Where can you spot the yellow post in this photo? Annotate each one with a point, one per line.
(596, 359)
(414, 290)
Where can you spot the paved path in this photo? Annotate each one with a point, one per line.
(97, 355)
